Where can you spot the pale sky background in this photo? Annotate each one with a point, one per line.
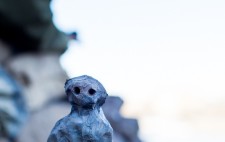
(166, 59)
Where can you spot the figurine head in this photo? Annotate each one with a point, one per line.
(85, 91)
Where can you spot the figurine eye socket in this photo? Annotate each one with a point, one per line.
(77, 90)
(91, 91)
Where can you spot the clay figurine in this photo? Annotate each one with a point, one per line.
(86, 121)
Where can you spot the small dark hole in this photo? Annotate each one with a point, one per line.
(91, 91)
(77, 90)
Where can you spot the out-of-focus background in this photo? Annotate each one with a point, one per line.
(165, 59)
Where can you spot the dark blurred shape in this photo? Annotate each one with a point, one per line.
(125, 129)
(27, 26)
(73, 36)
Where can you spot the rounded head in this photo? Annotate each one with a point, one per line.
(85, 91)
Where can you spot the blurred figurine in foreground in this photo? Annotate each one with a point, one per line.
(86, 121)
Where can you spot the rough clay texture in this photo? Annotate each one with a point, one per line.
(86, 121)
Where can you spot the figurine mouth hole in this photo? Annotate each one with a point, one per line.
(77, 90)
(91, 91)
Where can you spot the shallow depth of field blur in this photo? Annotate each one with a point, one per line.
(166, 59)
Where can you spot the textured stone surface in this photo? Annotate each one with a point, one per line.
(86, 121)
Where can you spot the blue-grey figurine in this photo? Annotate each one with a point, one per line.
(86, 121)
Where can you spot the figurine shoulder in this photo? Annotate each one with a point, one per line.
(67, 122)
(65, 130)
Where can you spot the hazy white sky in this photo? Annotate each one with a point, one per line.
(180, 43)
(152, 53)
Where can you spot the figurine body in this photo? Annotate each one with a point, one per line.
(86, 122)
